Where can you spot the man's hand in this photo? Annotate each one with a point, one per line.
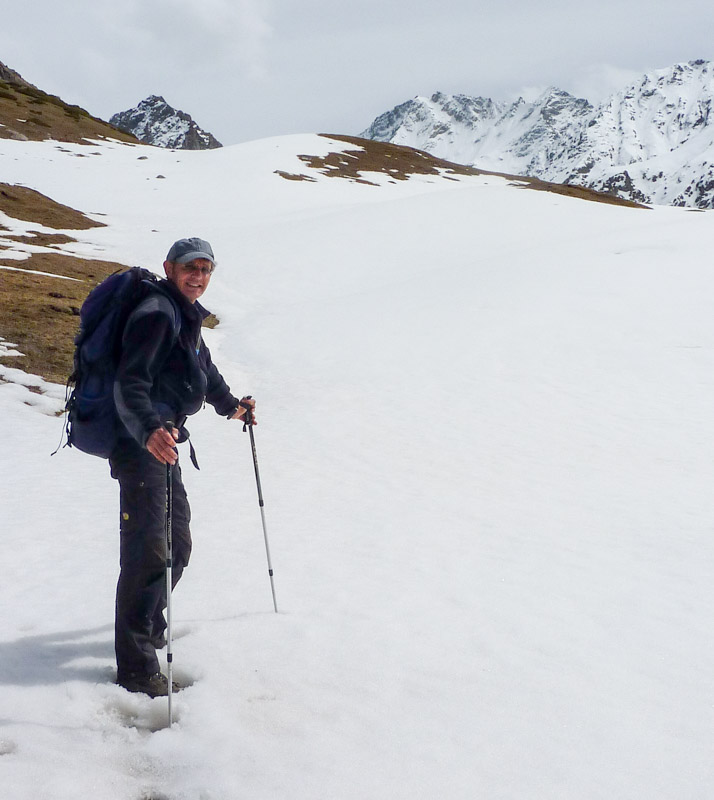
(241, 412)
(162, 445)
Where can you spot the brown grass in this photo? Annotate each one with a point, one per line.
(581, 192)
(41, 314)
(27, 112)
(41, 239)
(399, 163)
(395, 161)
(19, 202)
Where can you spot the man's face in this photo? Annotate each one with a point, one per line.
(190, 279)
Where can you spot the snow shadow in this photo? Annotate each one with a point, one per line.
(51, 658)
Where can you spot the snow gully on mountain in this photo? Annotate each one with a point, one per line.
(651, 142)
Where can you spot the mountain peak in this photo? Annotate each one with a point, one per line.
(652, 141)
(154, 121)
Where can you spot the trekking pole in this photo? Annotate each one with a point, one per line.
(248, 420)
(169, 578)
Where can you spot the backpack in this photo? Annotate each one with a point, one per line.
(93, 424)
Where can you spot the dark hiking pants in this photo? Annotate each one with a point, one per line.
(141, 590)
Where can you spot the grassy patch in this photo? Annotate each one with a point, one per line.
(399, 163)
(41, 314)
(581, 192)
(41, 239)
(37, 120)
(31, 206)
(59, 120)
(37, 312)
(395, 161)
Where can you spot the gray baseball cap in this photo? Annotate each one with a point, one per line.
(185, 250)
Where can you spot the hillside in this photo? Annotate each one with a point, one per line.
(28, 113)
(485, 427)
(41, 314)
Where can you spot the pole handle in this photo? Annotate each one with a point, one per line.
(248, 416)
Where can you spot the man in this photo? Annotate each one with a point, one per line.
(165, 374)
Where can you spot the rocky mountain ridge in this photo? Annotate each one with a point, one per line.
(652, 141)
(154, 121)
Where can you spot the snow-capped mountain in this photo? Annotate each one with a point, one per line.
(653, 141)
(155, 122)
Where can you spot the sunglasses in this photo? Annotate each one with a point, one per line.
(196, 268)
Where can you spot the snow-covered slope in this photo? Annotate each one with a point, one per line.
(520, 138)
(485, 447)
(653, 141)
(155, 122)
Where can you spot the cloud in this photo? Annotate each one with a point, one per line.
(596, 82)
(212, 32)
(248, 68)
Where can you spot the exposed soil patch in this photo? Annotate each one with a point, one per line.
(399, 163)
(27, 204)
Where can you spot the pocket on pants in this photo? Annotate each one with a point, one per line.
(143, 524)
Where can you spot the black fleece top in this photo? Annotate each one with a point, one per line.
(161, 375)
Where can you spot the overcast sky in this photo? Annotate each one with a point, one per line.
(247, 69)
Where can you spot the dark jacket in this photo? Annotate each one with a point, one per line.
(162, 376)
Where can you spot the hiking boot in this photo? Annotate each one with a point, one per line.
(155, 685)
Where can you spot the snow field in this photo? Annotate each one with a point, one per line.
(485, 443)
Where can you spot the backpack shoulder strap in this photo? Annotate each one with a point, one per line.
(156, 299)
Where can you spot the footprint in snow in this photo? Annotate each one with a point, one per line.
(142, 713)
(146, 714)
